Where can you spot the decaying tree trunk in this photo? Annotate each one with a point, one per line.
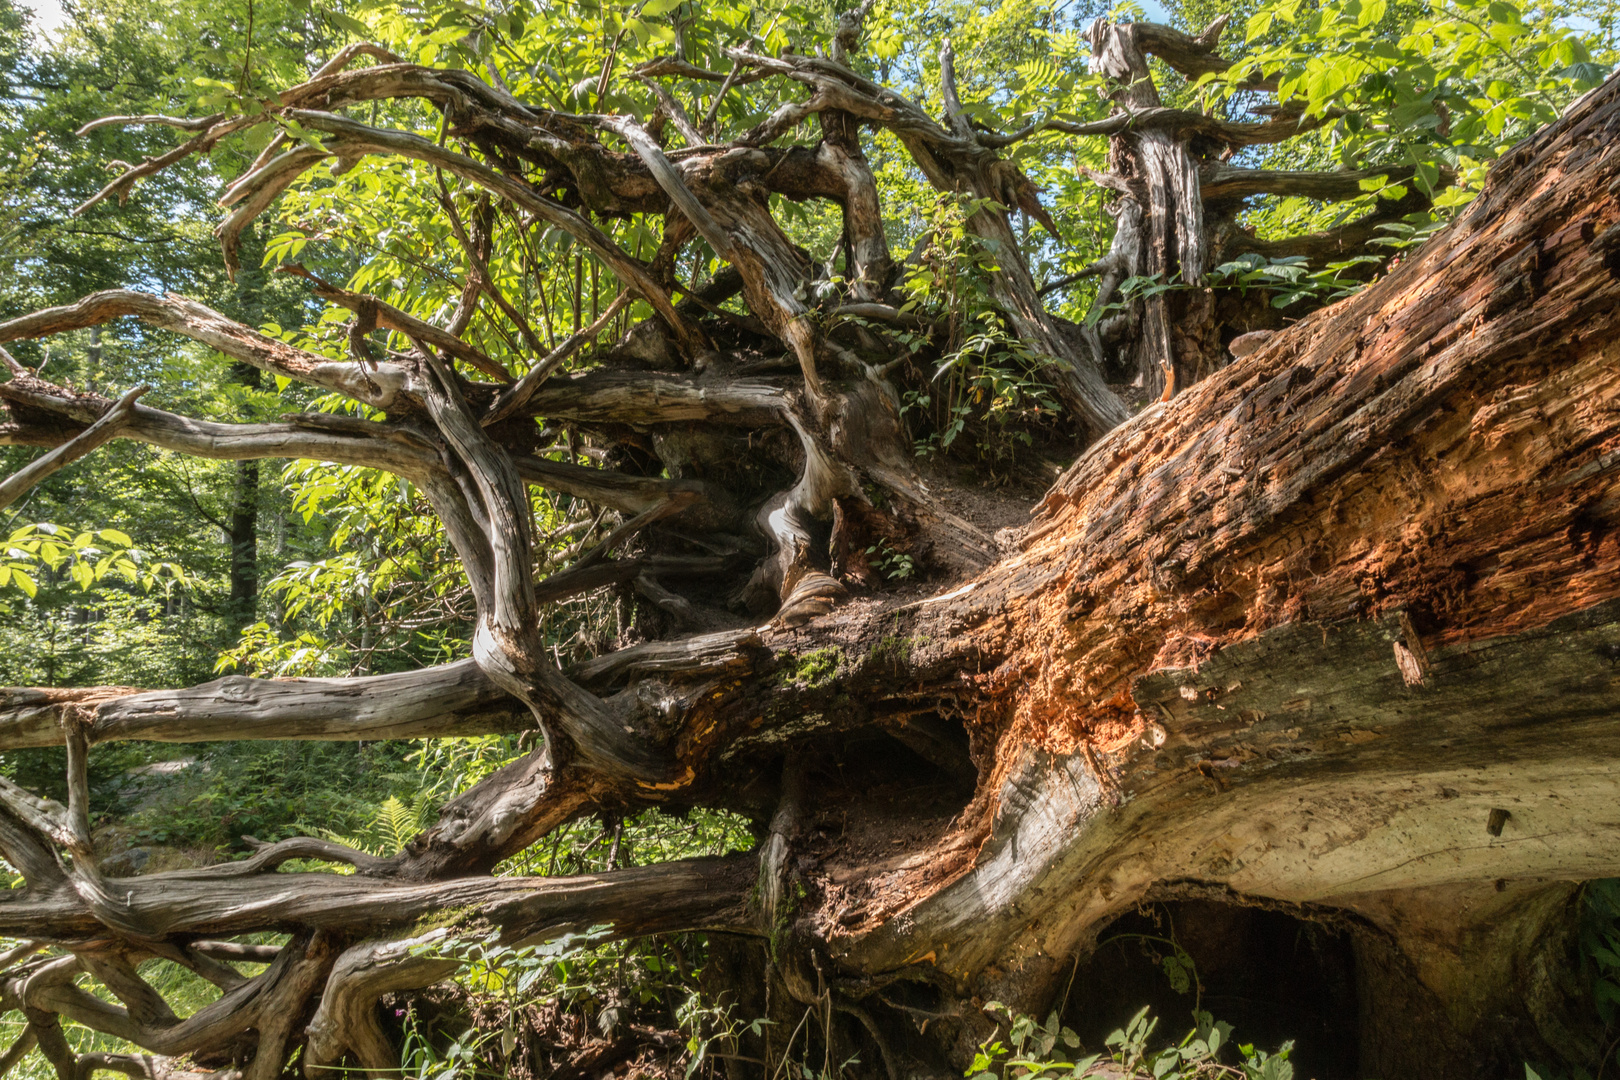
(1331, 633)
(1179, 203)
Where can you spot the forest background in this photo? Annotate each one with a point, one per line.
(143, 568)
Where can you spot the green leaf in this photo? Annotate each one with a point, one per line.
(24, 582)
(1503, 13)
(349, 23)
(1584, 72)
(114, 536)
(1428, 175)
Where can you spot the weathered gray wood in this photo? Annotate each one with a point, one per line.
(14, 486)
(706, 655)
(368, 444)
(445, 701)
(683, 895)
(378, 386)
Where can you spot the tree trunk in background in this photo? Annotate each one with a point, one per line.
(1179, 215)
(244, 535)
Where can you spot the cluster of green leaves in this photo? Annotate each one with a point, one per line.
(84, 558)
(387, 589)
(1436, 88)
(710, 1025)
(608, 984)
(1598, 947)
(1031, 1050)
(985, 378)
(892, 564)
(268, 790)
(518, 992)
(1016, 62)
(1442, 87)
(396, 824)
(386, 218)
(94, 619)
(1288, 280)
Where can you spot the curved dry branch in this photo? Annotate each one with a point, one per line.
(1177, 123)
(438, 702)
(506, 639)
(958, 162)
(24, 848)
(1228, 182)
(352, 137)
(517, 396)
(675, 66)
(1194, 56)
(695, 894)
(143, 1067)
(631, 494)
(256, 191)
(199, 144)
(105, 427)
(606, 396)
(317, 437)
(346, 1020)
(51, 991)
(18, 1050)
(385, 315)
(380, 385)
(181, 123)
(773, 271)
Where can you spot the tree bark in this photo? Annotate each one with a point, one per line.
(1179, 207)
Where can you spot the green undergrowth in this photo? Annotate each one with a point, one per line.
(1031, 1050)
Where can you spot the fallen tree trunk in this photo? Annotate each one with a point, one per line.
(1335, 628)
(1330, 633)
